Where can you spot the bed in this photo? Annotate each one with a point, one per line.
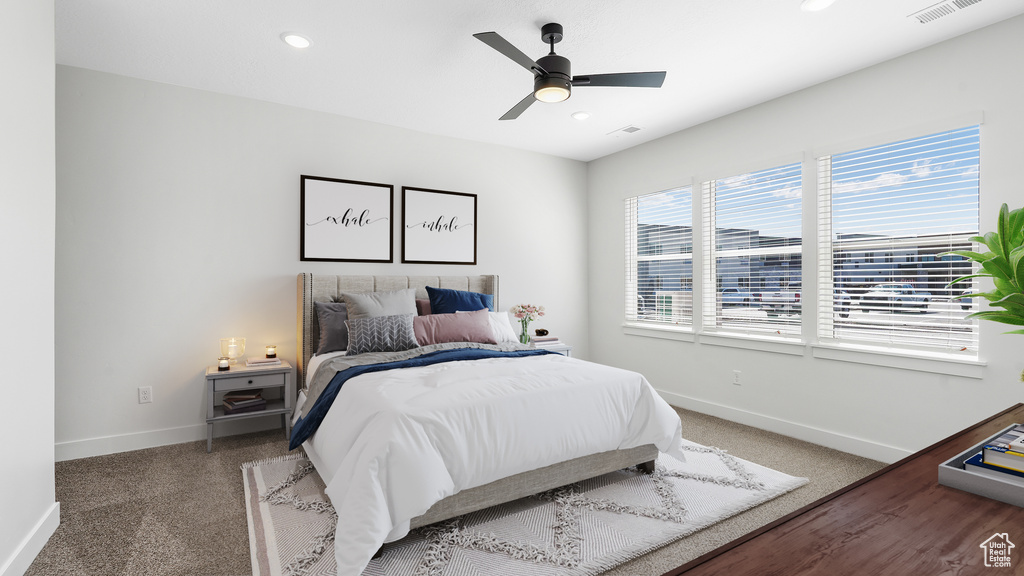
(354, 546)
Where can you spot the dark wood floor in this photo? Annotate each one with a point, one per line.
(898, 521)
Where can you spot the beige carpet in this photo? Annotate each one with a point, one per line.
(176, 510)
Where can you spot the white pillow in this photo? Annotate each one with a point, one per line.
(501, 326)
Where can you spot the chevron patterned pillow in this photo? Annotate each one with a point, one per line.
(381, 334)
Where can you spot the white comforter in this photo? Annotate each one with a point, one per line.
(396, 442)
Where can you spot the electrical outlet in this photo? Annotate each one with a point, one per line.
(736, 378)
(145, 394)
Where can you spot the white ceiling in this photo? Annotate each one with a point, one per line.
(415, 63)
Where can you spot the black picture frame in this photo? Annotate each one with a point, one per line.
(438, 227)
(345, 220)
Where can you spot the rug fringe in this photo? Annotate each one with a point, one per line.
(296, 456)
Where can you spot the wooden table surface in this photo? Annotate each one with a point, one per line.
(898, 521)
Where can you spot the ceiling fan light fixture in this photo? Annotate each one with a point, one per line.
(552, 94)
(296, 40)
(551, 89)
(552, 74)
(815, 5)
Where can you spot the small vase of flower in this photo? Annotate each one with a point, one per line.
(526, 313)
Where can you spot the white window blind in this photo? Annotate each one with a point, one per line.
(886, 215)
(752, 239)
(659, 258)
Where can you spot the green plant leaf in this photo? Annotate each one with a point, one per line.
(976, 256)
(1017, 227)
(1011, 307)
(1003, 230)
(1015, 332)
(1017, 266)
(1005, 265)
(990, 296)
(998, 268)
(962, 278)
(997, 316)
(1004, 286)
(994, 243)
(1015, 298)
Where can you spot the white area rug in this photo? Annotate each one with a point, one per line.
(576, 530)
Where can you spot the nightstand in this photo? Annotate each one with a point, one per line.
(239, 377)
(560, 348)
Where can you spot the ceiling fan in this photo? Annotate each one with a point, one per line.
(553, 81)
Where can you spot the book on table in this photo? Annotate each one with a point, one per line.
(256, 407)
(241, 403)
(261, 361)
(977, 464)
(548, 343)
(544, 339)
(1002, 452)
(1017, 444)
(240, 395)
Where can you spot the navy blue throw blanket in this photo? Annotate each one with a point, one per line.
(306, 426)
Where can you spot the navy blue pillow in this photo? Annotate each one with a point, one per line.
(447, 301)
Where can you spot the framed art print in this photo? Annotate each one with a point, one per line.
(438, 227)
(346, 221)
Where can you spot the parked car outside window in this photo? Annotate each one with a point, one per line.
(890, 296)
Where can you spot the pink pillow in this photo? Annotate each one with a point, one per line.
(465, 327)
(422, 307)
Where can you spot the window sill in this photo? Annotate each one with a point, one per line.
(791, 346)
(935, 362)
(666, 331)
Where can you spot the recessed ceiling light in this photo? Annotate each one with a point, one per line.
(581, 115)
(295, 40)
(815, 5)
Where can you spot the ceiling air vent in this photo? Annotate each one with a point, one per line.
(626, 130)
(945, 8)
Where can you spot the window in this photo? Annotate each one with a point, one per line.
(659, 258)
(913, 201)
(752, 239)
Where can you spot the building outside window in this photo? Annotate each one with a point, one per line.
(659, 258)
(912, 200)
(752, 261)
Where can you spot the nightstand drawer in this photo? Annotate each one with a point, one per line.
(244, 381)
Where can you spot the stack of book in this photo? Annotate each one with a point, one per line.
(240, 401)
(261, 361)
(545, 341)
(1002, 458)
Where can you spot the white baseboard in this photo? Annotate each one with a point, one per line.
(33, 543)
(836, 441)
(88, 447)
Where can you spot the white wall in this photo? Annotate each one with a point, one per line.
(177, 225)
(28, 512)
(874, 410)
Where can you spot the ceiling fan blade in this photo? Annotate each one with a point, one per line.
(519, 108)
(630, 79)
(494, 40)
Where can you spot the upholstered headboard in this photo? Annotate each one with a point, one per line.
(328, 288)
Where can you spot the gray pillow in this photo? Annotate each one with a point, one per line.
(381, 334)
(333, 332)
(371, 304)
